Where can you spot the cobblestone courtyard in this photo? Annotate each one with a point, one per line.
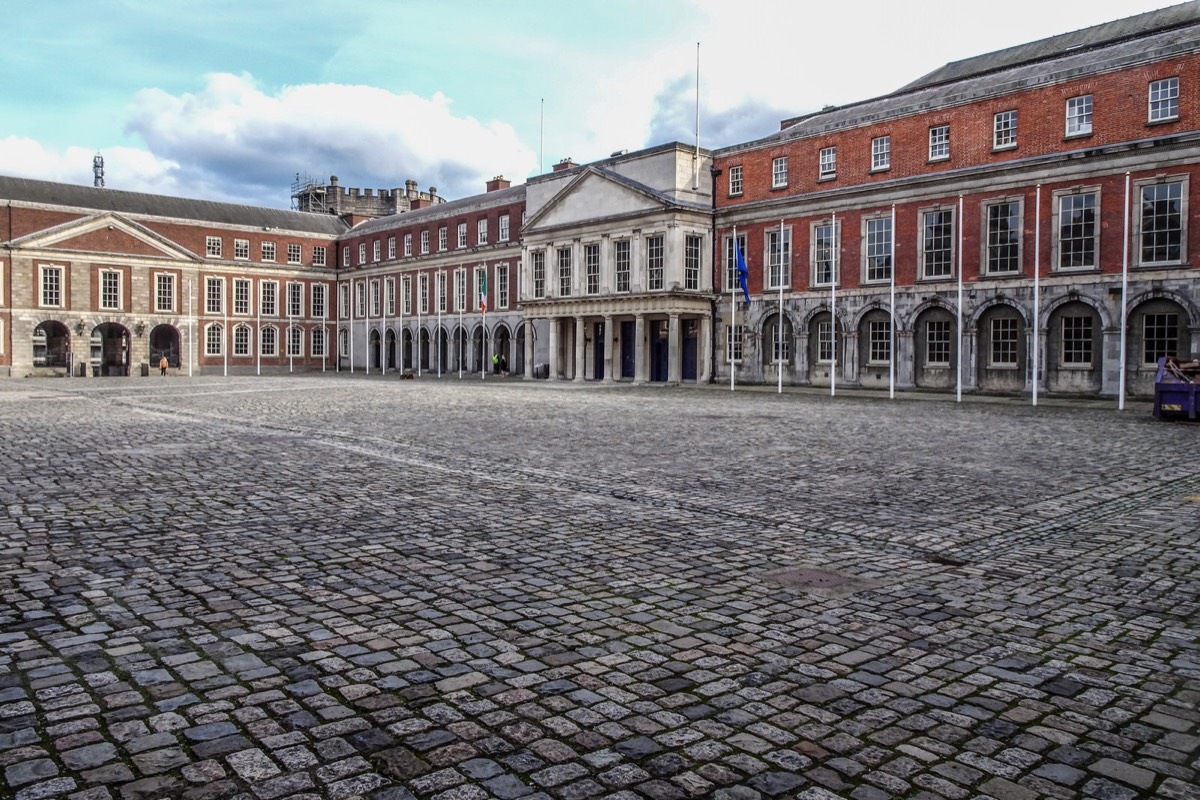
(340, 587)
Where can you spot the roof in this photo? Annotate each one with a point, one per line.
(500, 197)
(1155, 35)
(88, 197)
(1085, 38)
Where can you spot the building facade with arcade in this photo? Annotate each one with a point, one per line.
(1020, 207)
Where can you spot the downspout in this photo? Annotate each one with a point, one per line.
(716, 270)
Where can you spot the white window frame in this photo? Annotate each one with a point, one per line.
(730, 280)
(52, 296)
(480, 287)
(537, 273)
(295, 341)
(874, 251)
(502, 234)
(693, 259)
(391, 251)
(375, 251)
(1079, 115)
(947, 342)
(316, 343)
(501, 286)
(779, 270)
(295, 253)
(1163, 100)
(268, 252)
(939, 142)
(423, 293)
(241, 296)
(623, 265)
(214, 345)
(118, 302)
(735, 181)
(656, 262)
(241, 341)
(565, 260)
(389, 296)
(1004, 129)
(268, 341)
(881, 153)
(406, 299)
(1078, 351)
(879, 341)
(440, 291)
(214, 289)
(212, 246)
(779, 172)
(817, 256)
(1139, 221)
(481, 231)
(460, 289)
(924, 251)
(408, 245)
(735, 339)
(827, 163)
(161, 307)
(362, 253)
(241, 249)
(295, 299)
(986, 244)
(591, 268)
(425, 243)
(318, 255)
(268, 298)
(317, 301)
(1057, 251)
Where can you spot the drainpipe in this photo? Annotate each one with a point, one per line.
(716, 269)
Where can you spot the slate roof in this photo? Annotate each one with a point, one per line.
(500, 197)
(137, 203)
(1112, 45)
(1054, 46)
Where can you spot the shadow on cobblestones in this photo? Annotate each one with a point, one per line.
(344, 587)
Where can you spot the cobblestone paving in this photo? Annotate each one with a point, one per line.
(340, 587)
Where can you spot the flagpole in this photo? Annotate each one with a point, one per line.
(1124, 292)
(400, 321)
(418, 337)
(383, 339)
(892, 312)
(191, 330)
(483, 334)
(438, 336)
(258, 325)
(353, 286)
(324, 335)
(460, 295)
(833, 306)
(732, 312)
(367, 324)
(779, 323)
(1037, 273)
(958, 324)
(291, 355)
(696, 158)
(228, 335)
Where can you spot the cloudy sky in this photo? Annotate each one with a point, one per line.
(230, 99)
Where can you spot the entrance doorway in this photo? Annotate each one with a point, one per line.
(599, 348)
(110, 350)
(628, 348)
(164, 341)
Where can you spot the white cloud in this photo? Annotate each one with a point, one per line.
(233, 141)
(138, 170)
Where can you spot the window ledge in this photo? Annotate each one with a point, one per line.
(1163, 121)
(778, 187)
(1067, 137)
(1000, 276)
(1075, 271)
(827, 178)
(1003, 148)
(874, 170)
(937, 160)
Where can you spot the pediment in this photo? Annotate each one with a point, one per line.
(594, 195)
(107, 233)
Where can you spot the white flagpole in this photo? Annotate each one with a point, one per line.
(228, 335)
(438, 338)
(383, 339)
(732, 311)
(958, 325)
(779, 322)
(324, 334)
(191, 330)
(352, 288)
(892, 312)
(1124, 293)
(460, 295)
(833, 278)
(483, 334)
(288, 344)
(400, 295)
(418, 336)
(696, 158)
(367, 323)
(258, 326)
(1037, 274)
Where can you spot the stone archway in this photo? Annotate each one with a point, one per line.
(109, 350)
(164, 342)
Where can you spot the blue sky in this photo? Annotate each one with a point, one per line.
(228, 100)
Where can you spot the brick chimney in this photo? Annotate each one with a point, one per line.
(497, 183)
(566, 163)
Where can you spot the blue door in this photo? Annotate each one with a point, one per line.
(628, 349)
(691, 337)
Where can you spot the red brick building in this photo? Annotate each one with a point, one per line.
(996, 168)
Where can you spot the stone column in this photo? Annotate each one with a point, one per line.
(608, 348)
(552, 361)
(674, 354)
(639, 348)
(706, 349)
(580, 349)
(528, 349)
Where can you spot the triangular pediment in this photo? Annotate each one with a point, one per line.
(107, 233)
(595, 195)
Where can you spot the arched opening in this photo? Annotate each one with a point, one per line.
(777, 342)
(875, 349)
(477, 343)
(443, 350)
(1002, 350)
(460, 349)
(424, 349)
(1074, 350)
(164, 343)
(1158, 328)
(390, 347)
(406, 349)
(373, 349)
(823, 345)
(109, 350)
(502, 340)
(936, 345)
(51, 344)
(518, 363)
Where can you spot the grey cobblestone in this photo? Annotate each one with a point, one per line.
(341, 587)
